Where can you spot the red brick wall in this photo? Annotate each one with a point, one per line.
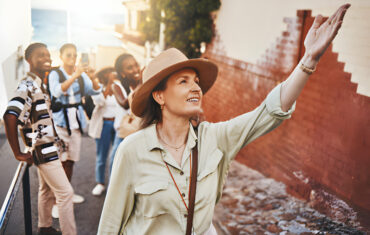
(326, 143)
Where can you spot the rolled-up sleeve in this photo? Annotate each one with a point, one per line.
(273, 104)
(234, 134)
(119, 201)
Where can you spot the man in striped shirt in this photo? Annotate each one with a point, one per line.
(29, 109)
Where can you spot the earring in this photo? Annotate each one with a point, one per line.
(162, 106)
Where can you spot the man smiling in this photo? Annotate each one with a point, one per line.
(30, 109)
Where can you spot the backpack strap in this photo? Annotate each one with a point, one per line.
(61, 76)
(82, 85)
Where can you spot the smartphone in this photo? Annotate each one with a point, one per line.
(84, 59)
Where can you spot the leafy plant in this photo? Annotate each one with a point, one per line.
(188, 23)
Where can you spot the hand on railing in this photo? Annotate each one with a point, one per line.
(26, 157)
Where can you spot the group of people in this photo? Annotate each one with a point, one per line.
(112, 119)
(49, 107)
(166, 177)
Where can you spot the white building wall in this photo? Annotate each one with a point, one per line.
(248, 27)
(106, 56)
(15, 31)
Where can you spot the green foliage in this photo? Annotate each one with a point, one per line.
(188, 23)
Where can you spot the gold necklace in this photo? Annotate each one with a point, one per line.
(164, 142)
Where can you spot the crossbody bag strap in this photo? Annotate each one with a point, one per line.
(193, 188)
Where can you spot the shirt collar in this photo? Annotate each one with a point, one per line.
(192, 137)
(152, 138)
(36, 78)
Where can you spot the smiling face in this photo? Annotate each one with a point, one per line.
(40, 61)
(182, 95)
(69, 56)
(131, 69)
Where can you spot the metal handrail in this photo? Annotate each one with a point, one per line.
(21, 174)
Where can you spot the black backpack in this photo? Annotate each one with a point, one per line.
(86, 100)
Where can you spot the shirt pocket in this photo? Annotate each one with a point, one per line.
(150, 196)
(208, 179)
(213, 160)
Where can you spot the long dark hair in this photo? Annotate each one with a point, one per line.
(119, 68)
(152, 112)
(102, 75)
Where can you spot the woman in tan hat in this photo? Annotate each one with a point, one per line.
(155, 169)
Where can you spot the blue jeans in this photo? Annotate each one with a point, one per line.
(117, 141)
(102, 150)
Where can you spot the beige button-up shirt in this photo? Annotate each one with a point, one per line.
(142, 198)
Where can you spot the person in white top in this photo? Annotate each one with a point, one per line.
(128, 79)
(101, 126)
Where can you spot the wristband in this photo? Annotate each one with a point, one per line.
(306, 69)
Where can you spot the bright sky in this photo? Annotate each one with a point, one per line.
(92, 6)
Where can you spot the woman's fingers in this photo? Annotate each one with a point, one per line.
(321, 34)
(339, 14)
(338, 20)
(333, 24)
(335, 30)
(343, 12)
(317, 22)
(331, 18)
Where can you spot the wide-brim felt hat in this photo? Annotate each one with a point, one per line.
(165, 64)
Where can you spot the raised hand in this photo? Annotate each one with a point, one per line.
(79, 69)
(322, 33)
(90, 72)
(318, 39)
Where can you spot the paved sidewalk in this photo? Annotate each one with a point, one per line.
(87, 214)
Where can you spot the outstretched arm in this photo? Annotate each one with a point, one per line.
(318, 39)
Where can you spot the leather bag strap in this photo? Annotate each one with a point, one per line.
(193, 188)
